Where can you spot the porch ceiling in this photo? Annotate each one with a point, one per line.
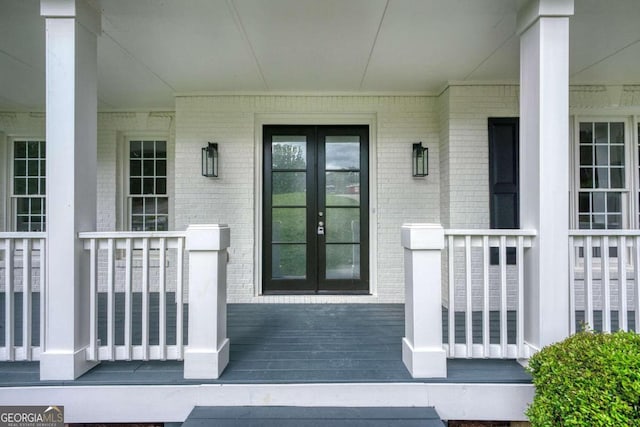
(152, 49)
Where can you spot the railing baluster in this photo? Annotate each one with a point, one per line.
(605, 285)
(145, 299)
(486, 325)
(636, 283)
(452, 297)
(43, 291)
(93, 300)
(520, 314)
(179, 298)
(26, 298)
(162, 311)
(572, 286)
(111, 306)
(128, 296)
(503, 296)
(588, 282)
(469, 295)
(9, 278)
(622, 283)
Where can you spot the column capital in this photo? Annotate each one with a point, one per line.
(536, 9)
(208, 237)
(422, 236)
(80, 10)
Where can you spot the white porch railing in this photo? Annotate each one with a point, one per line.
(126, 271)
(483, 293)
(604, 279)
(22, 283)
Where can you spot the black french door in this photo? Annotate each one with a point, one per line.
(315, 213)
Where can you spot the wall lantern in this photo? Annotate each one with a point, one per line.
(420, 160)
(210, 160)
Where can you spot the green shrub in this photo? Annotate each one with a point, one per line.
(589, 379)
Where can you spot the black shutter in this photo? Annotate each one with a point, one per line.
(503, 172)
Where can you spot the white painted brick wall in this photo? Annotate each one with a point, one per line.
(229, 120)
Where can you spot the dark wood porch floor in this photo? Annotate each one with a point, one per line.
(294, 343)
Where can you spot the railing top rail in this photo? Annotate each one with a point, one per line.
(130, 234)
(492, 232)
(598, 233)
(23, 235)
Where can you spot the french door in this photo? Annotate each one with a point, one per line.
(315, 213)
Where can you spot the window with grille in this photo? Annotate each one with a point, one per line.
(29, 185)
(602, 188)
(148, 199)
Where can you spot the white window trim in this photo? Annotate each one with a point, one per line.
(8, 200)
(123, 205)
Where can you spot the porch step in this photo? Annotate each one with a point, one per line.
(284, 416)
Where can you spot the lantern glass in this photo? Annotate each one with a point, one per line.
(210, 160)
(420, 160)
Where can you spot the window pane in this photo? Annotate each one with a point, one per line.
(19, 168)
(136, 149)
(617, 178)
(288, 261)
(602, 178)
(289, 225)
(43, 186)
(599, 222)
(161, 185)
(343, 225)
(598, 202)
(33, 149)
(162, 204)
(43, 150)
(602, 155)
(36, 206)
(150, 223)
(343, 262)
(137, 205)
(289, 152)
(149, 206)
(148, 149)
(135, 168)
(584, 222)
(342, 152)
(586, 155)
(602, 133)
(147, 185)
(135, 186)
(289, 188)
(586, 178)
(161, 149)
(617, 133)
(614, 202)
(614, 221)
(137, 223)
(19, 186)
(20, 150)
(32, 186)
(161, 167)
(33, 168)
(162, 223)
(617, 155)
(584, 202)
(22, 206)
(586, 132)
(343, 188)
(148, 168)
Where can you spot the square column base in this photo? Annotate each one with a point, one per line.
(55, 366)
(431, 363)
(205, 364)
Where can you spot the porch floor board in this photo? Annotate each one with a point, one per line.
(294, 343)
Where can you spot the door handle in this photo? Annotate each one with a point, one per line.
(320, 228)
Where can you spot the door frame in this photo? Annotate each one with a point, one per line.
(260, 120)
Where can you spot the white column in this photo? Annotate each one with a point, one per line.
(422, 351)
(71, 107)
(207, 354)
(544, 166)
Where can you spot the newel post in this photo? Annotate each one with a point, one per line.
(422, 351)
(207, 354)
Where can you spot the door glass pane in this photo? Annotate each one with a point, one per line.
(289, 152)
(343, 262)
(342, 152)
(289, 188)
(343, 225)
(288, 261)
(342, 188)
(289, 225)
